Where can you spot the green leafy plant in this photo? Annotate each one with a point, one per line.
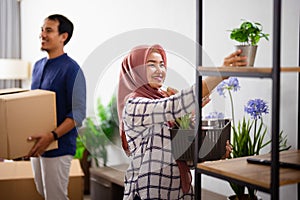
(245, 145)
(184, 122)
(98, 132)
(249, 135)
(80, 148)
(249, 33)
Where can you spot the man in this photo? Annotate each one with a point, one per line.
(61, 74)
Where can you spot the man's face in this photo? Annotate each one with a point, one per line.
(51, 40)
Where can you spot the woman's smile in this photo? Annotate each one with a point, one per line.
(156, 70)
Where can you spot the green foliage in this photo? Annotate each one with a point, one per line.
(79, 148)
(248, 136)
(248, 33)
(184, 122)
(107, 117)
(283, 142)
(98, 132)
(244, 145)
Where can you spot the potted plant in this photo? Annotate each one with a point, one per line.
(248, 135)
(98, 132)
(212, 141)
(248, 35)
(85, 162)
(94, 136)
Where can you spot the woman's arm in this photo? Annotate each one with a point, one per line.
(233, 60)
(146, 112)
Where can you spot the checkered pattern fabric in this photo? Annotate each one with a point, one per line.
(153, 172)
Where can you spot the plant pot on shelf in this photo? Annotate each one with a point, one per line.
(85, 164)
(212, 141)
(243, 197)
(249, 51)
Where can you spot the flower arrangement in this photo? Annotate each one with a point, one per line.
(243, 145)
(227, 85)
(215, 115)
(248, 135)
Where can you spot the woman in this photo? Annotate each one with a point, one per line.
(146, 113)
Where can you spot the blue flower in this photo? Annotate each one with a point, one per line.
(215, 115)
(230, 84)
(256, 107)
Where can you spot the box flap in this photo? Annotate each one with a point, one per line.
(3, 127)
(15, 170)
(11, 90)
(75, 169)
(23, 170)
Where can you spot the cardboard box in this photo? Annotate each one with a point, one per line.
(17, 182)
(24, 113)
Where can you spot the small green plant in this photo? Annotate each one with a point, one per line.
(249, 33)
(184, 122)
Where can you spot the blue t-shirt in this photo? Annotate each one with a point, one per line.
(63, 76)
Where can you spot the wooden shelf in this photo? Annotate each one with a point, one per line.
(257, 175)
(242, 71)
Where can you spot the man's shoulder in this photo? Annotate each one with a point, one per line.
(41, 61)
(72, 62)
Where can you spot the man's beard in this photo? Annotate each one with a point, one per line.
(43, 49)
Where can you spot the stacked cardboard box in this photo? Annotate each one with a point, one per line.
(16, 181)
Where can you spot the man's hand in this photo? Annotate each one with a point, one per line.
(42, 141)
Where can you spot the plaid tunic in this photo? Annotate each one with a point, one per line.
(153, 172)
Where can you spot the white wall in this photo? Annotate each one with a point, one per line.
(98, 21)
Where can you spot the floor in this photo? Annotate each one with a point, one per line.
(206, 195)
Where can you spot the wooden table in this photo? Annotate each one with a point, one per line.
(253, 174)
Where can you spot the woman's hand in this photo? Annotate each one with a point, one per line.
(235, 59)
(171, 91)
(228, 150)
(205, 100)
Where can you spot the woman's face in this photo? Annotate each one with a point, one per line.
(156, 70)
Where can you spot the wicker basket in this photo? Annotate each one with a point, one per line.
(212, 142)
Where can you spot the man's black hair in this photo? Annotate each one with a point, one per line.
(65, 25)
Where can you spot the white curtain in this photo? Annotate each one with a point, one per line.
(10, 37)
